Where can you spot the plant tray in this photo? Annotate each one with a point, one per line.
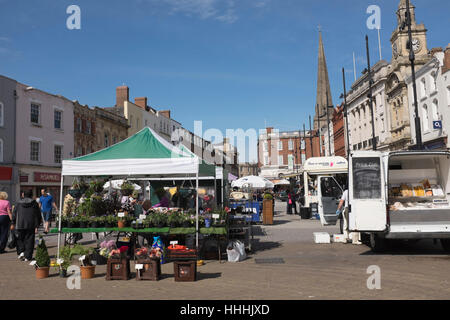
(151, 269)
(118, 269)
(185, 271)
(182, 254)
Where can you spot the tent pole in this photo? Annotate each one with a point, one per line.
(197, 207)
(222, 187)
(215, 189)
(61, 200)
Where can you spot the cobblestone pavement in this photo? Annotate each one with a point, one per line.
(308, 271)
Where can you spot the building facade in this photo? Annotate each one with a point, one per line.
(248, 169)
(110, 128)
(44, 137)
(339, 138)
(8, 168)
(433, 95)
(84, 127)
(400, 69)
(359, 112)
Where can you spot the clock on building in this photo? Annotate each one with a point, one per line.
(415, 44)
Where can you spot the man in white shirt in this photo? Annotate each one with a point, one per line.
(354, 236)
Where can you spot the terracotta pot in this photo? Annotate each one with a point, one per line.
(87, 272)
(42, 273)
(120, 224)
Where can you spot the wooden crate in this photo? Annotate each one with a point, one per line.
(185, 271)
(118, 269)
(151, 269)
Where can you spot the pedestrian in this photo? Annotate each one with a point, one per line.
(26, 218)
(46, 203)
(5, 220)
(293, 198)
(289, 202)
(344, 203)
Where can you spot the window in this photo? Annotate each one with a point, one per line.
(366, 178)
(1, 114)
(365, 144)
(106, 140)
(58, 119)
(359, 146)
(266, 160)
(265, 146)
(35, 148)
(280, 160)
(280, 145)
(35, 113)
(291, 145)
(1, 150)
(425, 118)
(79, 123)
(355, 147)
(434, 110)
(88, 127)
(423, 87)
(58, 153)
(433, 81)
(303, 158)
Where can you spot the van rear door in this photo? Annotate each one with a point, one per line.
(367, 192)
(329, 194)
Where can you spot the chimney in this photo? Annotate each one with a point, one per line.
(446, 66)
(141, 102)
(435, 50)
(165, 113)
(269, 130)
(122, 95)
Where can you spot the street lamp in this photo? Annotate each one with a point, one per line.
(369, 95)
(412, 58)
(310, 138)
(346, 113)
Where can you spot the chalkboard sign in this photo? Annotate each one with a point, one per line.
(366, 178)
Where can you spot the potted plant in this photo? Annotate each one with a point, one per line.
(159, 219)
(173, 219)
(93, 222)
(83, 221)
(42, 264)
(97, 186)
(110, 221)
(87, 267)
(73, 222)
(64, 260)
(127, 188)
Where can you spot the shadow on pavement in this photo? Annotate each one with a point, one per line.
(413, 248)
(258, 245)
(203, 276)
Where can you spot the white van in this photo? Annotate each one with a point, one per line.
(399, 195)
(321, 171)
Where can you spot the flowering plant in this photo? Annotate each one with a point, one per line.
(119, 253)
(106, 247)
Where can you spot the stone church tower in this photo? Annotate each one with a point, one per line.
(323, 99)
(400, 69)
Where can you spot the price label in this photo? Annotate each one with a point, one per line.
(254, 210)
(142, 216)
(216, 216)
(32, 263)
(139, 266)
(82, 258)
(173, 242)
(124, 239)
(59, 261)
(121, 214)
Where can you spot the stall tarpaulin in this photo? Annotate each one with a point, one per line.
(144, 154)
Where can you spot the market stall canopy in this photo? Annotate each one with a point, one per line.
(283, 182)
(145, 153)
(326, 164)
(117, 184)
(252, 182)
(206, 168)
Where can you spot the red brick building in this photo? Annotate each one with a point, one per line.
(339, 131)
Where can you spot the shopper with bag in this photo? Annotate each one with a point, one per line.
(26, 218)
(291, 202)
(5, 220)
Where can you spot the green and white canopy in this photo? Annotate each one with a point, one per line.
(143, 154)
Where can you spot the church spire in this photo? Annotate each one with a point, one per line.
(323, 99)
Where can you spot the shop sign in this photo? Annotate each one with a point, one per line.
(47, 177)
(5, 173)
(23, 178)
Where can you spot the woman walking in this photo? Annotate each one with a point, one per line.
(5, 220)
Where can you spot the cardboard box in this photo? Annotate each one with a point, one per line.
(321, 237)
(340, 238)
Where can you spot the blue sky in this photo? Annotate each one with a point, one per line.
(232, 64)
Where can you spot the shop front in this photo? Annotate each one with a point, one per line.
(36, 179)
(7, 178)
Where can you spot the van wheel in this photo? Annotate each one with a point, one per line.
(377, 244)
(445, 244)
(341, 224)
